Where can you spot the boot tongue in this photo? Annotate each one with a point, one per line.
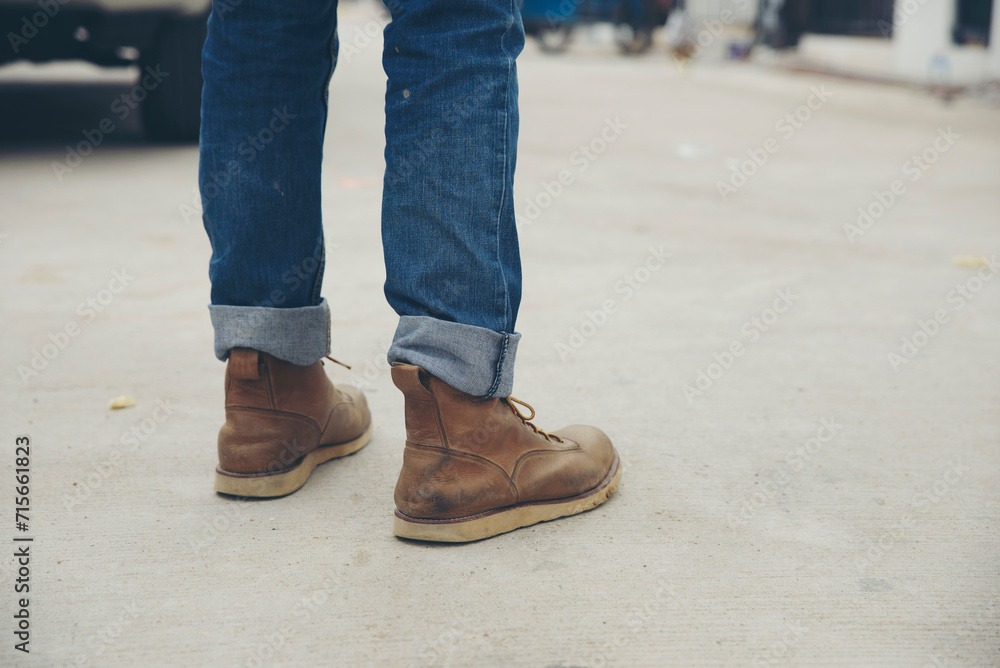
(244, 364)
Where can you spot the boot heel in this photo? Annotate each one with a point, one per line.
(282, 483)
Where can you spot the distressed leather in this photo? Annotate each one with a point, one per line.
(466, 455)
(278, 412)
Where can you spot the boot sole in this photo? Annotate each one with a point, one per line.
(494, 522)
(282, 483)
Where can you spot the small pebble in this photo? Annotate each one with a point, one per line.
(123, 401)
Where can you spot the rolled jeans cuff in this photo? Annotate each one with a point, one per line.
(297, 335)
(474, 360)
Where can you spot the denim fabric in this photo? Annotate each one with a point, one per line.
(296, 335)
(451, 135)
(266, 67)
(460, 355)
(453, 270)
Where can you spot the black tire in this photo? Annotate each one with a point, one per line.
(554, 40)
(172, 110)
(631, 35)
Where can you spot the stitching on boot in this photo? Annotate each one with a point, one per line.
(469, 455)
(267, 385)
(575, 448)
(433, 406)
(279, 413)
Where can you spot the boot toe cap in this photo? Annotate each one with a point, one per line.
(593, 441)
(576, 466)
(350, 416)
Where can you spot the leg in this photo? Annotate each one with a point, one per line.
(453, 270)
(473, 465)
(266, 67)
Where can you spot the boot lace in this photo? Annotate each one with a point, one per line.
(526, 419)
(346, 366)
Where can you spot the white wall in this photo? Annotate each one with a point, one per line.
(921, 33)
(743, 11)
(993, 67)
(922, 48)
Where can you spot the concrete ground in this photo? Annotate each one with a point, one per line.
(809, 413)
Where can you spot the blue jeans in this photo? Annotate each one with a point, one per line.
(453, 272)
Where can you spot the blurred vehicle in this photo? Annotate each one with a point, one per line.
(552, 22)
(164, 37)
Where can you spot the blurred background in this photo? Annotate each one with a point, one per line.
(943, 44)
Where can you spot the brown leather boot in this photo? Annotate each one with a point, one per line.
(282, 420)
(474, 468)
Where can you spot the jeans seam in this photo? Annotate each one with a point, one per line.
(314, 295)
(499, 370)
(329, 327)
(317, 287)
(503, 189)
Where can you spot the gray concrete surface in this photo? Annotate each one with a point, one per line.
(745, 531)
